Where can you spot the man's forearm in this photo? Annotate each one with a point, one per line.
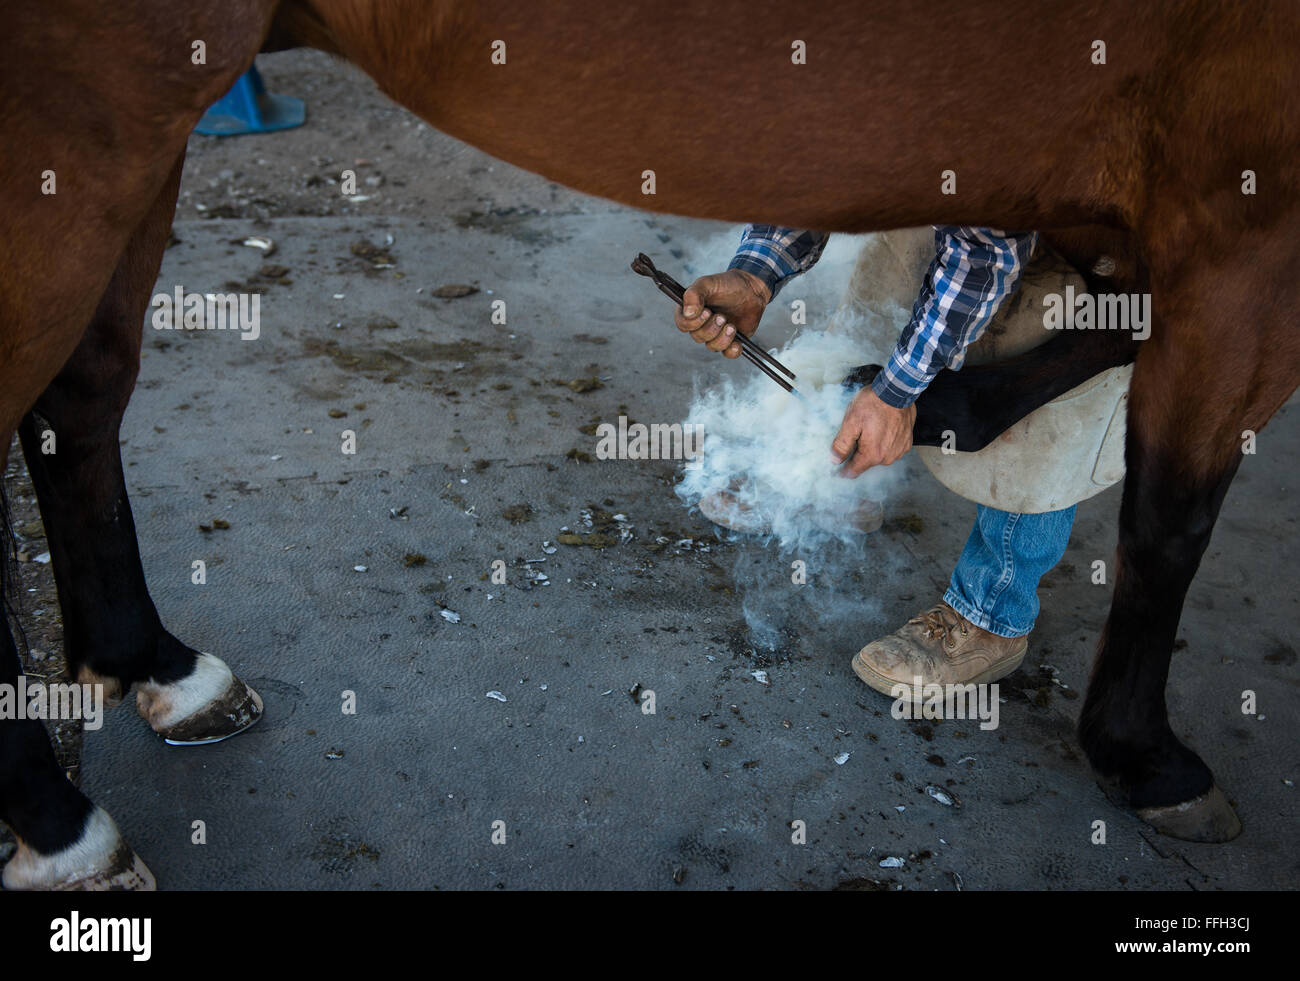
(974, 272)
(775, 255)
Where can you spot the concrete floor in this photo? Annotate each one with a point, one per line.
(593, 793)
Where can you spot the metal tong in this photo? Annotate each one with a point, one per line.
(755, 354)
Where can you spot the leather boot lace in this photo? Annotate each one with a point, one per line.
(939, 622)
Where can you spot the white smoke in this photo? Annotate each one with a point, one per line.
(771, 452)
(766, 467)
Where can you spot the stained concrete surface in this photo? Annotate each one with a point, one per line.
(592, 791)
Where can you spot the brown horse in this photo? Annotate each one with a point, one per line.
(1164, 135)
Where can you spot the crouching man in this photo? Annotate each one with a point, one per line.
(977, 632)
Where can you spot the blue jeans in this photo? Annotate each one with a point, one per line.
(995, 584)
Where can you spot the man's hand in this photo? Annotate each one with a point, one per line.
(716, 306)
(879, 433)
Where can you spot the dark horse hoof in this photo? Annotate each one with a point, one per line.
(860, 377)
(1208, 818)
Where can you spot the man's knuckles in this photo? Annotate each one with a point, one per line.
(861, 463)
(708, 333)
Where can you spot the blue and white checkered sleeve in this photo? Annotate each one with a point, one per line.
(775, 255)
(975, 270)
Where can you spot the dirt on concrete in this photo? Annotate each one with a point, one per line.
(700, 796)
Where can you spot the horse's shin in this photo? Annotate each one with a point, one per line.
(1165, 526)
(112, 633)
(1124, 726)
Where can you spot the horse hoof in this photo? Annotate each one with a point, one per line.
(209, 705)
(1208, 818)
(100, 860)
(726, 510)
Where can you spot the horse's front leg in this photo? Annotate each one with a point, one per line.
(64, 840)
(112, 633)
(1221, 358)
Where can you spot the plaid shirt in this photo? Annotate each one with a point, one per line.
(973, 272)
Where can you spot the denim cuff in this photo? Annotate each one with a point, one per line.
(981, 620)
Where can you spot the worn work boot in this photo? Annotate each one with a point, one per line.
(941, 647)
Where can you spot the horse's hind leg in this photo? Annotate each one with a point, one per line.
(1221, 358)
(112, 632)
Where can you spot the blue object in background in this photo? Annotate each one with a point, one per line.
(249, 108)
